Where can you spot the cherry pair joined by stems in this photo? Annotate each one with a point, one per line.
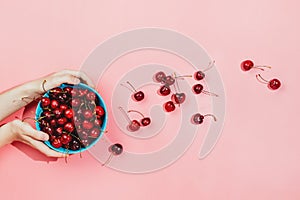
(137, 95)
(198, 118)
(246, 65)
(115, 150)
(134, 125)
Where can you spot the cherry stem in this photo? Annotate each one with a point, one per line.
(127, 87)
(177, 85)
(261, 67)
(184, 76)
(210, 65)
(125, 114)
(136, 112)
(261, 79)
(108, 160)
(43, 85)
(131, 86)
(209, 93)
(211, 115)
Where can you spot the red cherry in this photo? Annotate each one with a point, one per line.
(82, 92)
(134, 126)
(198, 88)
(83, 134)
(178, 98)
(164, 90)
(159, 77)
(146, 121)
(91, 96)
(54, 104)
(69, 113)
(45, 102)
(59, 131)
(98, 122)
(48, 130)
(88, 114)
(53, 122)
(47, 115)
(57, 112)
(95, 132)
(63, 107)
(69, 127)
(169, 106)
(56, 143)
(75, 102)
(65, 138)
(169, 80)
(61, 121)
(139, 96)
(247, 65)
(198, 118)
(68, 90)
(199, 75)
(99, 111)
(74, 92)
(87, 125)
(273, 84)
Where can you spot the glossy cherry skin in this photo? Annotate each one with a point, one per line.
(247, 65)
(199, 75)
(47, 115)
(197, 88)
(88, 114)
(61, 121)
(63, 107)
(75, 145)
(65, 138)
(139, 96)
(45, 102)
(178, 98)
(159, 77)
(274, 84)
(91, 96)
(169, 80)
(57, 112)
(68, 113)
(87, 125)
(146, 121)
(58, 131)
(56, 143)
(99, 111)
(94, 133)
(134, 126)
(164, 90)
(69, 127)
(75, 102)
(54, 104)
(198, 118)
(169, 106)
(116, 149)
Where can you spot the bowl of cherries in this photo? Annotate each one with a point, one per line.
(74, 117)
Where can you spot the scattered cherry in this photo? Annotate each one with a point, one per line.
(198, 88)
(199, 75)
(159, 77)
(115, 150)
(137, 95)
(198, 118)
(169, 106)
(273, 84)
(178, 98)
(246, 65)
(133, 125)
(164, 90)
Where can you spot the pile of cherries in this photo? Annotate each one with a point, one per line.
(72, 116)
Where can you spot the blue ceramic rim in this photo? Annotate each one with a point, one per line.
(103, 127)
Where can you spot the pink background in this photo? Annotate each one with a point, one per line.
(258, 155)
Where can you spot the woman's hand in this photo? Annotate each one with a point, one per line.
(21, 131)
(64, 76)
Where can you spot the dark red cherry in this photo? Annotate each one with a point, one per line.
(53, 122)
(47, 115)
(82, 92)
(83, 134)
(56, 143)
(68, 90)
(98, 122)
(134, 126)
(63, 107)
(91, 96)
(48, 130)
(69, 127)
(54, 104)
(75, 102)
(198, 88)
(75, 145)
(61, 121)
(65, 138)
(59, 131)
(116, 149)
(94, 133)
(198, 118)
(247, 65)
(139, 96)
(274, 84)
(169, 106)
(169, 80)
(69, 113)
(199, 75)
(178, 98)
(88, 114)
(146, 121)
(159, 76)
(45, 102)
(164, 90)
(87, 125)
(74, 92)
(57, 112)
(99, 111)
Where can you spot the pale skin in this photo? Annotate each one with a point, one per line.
(20, 96)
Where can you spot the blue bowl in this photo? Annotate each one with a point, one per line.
(39, 111)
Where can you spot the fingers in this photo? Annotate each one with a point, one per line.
(40, 146)
(78, 75)
(29, 131)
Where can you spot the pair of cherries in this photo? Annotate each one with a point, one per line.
(134, 125)
(272, 84)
